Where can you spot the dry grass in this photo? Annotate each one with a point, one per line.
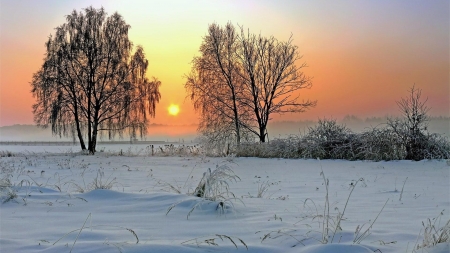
(212, 240)
(7, 193)
(214, 187)
(92, 227)
(6, 153)
(263, 187)
(433, 233)
(100, 182)
(214, 184)
(329, 223)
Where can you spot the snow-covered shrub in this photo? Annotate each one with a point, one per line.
(278, 148)
(412, 130)
(379, 144)
(328, 140)
(399, 139)
(436, 147)
(418, 144)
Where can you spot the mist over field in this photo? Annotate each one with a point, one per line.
(23, 133)
(187, 133)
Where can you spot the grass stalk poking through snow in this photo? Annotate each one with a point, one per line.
(326, 211)
(214, 186)
(211, 240)
(6, 192)
(360, 237)
(341, 215)
(84, 227)
(100, 182)
(330, 223)
(80, 232)
(401, 193)
(262, 189)
(434, 234)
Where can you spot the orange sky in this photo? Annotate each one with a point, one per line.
(363, 55)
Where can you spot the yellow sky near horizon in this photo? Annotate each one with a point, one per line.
(362, 55)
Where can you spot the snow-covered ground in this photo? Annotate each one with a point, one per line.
(56, 210)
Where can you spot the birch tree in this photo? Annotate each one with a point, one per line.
(91, 82)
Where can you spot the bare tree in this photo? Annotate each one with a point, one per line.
(271, 78)
(91, 82)
(215, 86)
(242, 80)
(413, 126)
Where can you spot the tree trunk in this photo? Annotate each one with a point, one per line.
(262, 134)
(236, 120)
(77, 119)
(93, 140)
(79, 134)
(89, 128)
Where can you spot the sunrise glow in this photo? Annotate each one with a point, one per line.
(173, 110)
(362, 56)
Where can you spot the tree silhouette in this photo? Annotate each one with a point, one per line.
(413, 127)
(271, 78)
(215, 85)
(91, 82)
(239, 81)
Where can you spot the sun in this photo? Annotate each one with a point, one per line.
(173, 109)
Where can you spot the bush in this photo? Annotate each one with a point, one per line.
(435, 147)
(379, 144)
(412, 129)
(328, 140)
(403, 138)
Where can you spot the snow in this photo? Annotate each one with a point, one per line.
(56, 209)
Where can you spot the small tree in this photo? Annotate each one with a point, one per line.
(91, 82)
(413, 126)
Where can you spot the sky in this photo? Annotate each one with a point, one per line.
(363, 56)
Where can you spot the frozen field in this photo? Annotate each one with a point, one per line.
(54, 208)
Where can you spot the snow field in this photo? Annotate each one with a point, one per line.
(57, 209)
